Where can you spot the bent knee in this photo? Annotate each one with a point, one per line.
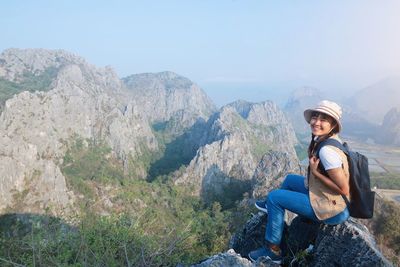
(273, 195)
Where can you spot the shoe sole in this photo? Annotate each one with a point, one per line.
(261, 208)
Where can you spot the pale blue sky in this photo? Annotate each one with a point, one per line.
(254, 50)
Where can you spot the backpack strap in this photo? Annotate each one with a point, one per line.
(332, 142)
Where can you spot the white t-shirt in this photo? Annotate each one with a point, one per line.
(330, 158)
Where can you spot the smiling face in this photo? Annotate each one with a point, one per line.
(321, 124)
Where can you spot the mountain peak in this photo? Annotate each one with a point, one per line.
(303, 93)
(242, 107)
(14, 62)
(171, 92)
(373, 102)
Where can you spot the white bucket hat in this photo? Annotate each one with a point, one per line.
(327, 107)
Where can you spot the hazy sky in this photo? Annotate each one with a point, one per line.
(232, 49)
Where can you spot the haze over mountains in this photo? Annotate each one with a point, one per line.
(373, 102)
(154, 124)
(74, 135)
(364, 113)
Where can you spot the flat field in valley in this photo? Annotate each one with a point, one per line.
(382, 159)
(384, 164)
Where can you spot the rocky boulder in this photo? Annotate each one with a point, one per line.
(347, 244)
(231, 258)
(271, 171)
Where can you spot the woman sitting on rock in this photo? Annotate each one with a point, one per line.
(318, 197)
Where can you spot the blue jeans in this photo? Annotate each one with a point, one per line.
(293, 196)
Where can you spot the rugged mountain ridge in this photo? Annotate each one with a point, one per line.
(166, 96)
(36, 127)
(232, 146)
(81, 101)
(15, 62)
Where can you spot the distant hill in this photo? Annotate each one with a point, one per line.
(354, 124)
(299, 100)
(389, 133)
(373, 102)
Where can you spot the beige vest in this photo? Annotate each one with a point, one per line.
(325, 202)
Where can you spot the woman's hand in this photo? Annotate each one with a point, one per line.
(335, 179)
(314, 161)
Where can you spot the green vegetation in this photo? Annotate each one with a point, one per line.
(258, 147)
(174, 151)
(385, 180)
(255, 133)
(116, 240)
(142, 162)
(148, 223)
(85, 162)
(302, 147)
(386, 226)
(301, 151)
(232, 193)
(28, 82)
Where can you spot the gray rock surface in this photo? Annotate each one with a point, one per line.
(15, 62)
(231, 258)
(168, 96)
(36, 127)
(271, 171)
(251, 236)
(347, 244)
(86, 102)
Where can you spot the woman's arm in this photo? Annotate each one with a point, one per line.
(336, 179)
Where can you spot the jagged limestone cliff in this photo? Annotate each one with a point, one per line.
(37, 126)
(81, 101)
(232, 146)
(170, 98)
(39, 120)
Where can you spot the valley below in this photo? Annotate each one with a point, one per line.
(384, 167)
(382, 159)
